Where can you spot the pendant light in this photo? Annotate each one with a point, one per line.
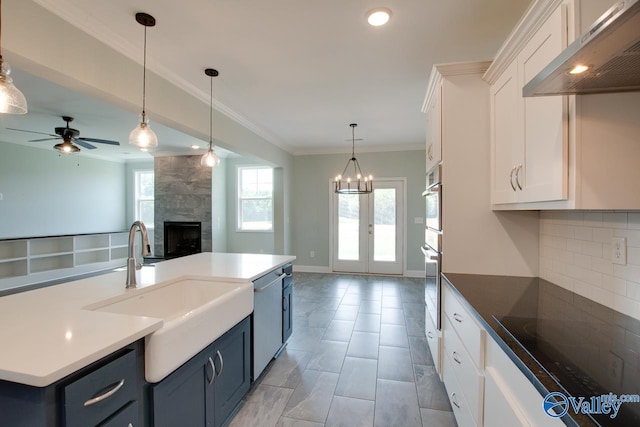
(358, 184)
(210, 159)
(12, 101)
(142, 135)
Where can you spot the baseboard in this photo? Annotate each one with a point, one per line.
(323, 269)
(311, 269)
(414, 273)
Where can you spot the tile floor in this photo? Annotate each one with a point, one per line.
(358, 357)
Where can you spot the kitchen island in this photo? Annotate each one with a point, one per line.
(51, 333)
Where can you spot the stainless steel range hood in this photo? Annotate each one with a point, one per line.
(611, 50)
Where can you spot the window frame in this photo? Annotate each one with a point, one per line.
(137, 198)
(240, 199)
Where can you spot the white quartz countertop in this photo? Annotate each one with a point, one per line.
(48, 333)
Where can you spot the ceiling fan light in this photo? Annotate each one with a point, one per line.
(66, 147)
(143, 136)
(12, 101)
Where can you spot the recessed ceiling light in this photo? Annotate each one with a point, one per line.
(379, 16)
(195, 147)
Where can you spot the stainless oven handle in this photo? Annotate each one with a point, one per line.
(429, 253)
(432, 189)
(282, 276)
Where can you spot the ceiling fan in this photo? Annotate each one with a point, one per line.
(69, 137)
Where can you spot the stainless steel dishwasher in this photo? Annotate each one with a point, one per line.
(267, 319)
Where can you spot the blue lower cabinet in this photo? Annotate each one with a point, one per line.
(105, 393)
(206, 390)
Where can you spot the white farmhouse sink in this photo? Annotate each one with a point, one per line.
(195, 312)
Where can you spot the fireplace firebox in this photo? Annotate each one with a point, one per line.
(182, 238)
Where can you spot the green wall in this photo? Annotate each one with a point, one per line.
(312, 175)
(45, 193)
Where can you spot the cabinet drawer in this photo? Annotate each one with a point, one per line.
(97, 395)
(434, 339)
(126, 417)
(471, 381)
(499, 407)
(456, 395)
(465, 325)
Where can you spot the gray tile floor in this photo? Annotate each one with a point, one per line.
(358, 357)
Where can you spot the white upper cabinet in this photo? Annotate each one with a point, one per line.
(528, 135)
(433, 109)
(558, 152)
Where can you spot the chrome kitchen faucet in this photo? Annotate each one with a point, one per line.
(132, 265)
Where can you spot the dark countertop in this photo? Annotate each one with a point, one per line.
(561, 341)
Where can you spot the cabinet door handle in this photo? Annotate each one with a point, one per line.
(456, 358)
(518, 169)
(430, 152)
(513, 169)
(457, 317)
(221, 362)
(106, 395)
(430, 335)
(454, 400)
(213, 370)
(285, 304)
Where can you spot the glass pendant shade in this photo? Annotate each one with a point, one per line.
(143, 136)
(12, 101)
(210, 158)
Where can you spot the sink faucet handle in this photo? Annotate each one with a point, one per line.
(138, 266)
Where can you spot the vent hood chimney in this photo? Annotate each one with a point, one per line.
(611, 51)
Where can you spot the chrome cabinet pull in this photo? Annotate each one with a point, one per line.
(513, 169)
(285, 304)
(221, 362)
(456, 358)
(213, 370)
(454, 400)
(430, 335)
(457, 317)
(106, 395)
(430, 152)
(518, 176)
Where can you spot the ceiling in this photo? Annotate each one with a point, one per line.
(295, 72)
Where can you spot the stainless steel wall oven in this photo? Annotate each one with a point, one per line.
(432, 248)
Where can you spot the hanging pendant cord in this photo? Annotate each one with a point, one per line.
(211, 114)
(144, 73)
(0, 30)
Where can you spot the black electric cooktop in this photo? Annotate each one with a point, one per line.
(562, 341)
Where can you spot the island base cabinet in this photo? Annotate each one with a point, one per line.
(206, 390)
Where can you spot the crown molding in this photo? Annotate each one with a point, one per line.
(537, 13)
(93, 27)
(370, 149)
(438, 71)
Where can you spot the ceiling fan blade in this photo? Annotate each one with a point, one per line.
(101, 141)
(81, 143)
(43, 139)
(33, 131)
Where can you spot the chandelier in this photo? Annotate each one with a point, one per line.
(358, 183)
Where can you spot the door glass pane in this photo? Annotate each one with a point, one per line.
(384, 223)
(348, 227)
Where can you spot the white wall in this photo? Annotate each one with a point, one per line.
(219, 207)
(575, 253)
(45, 193)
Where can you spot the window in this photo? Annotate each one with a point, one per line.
(255, 199)
(144, 197)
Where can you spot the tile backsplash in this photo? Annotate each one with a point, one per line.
(576, 254)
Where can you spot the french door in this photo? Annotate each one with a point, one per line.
(368, 230)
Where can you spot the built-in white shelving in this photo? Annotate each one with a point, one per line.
(40, 259)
